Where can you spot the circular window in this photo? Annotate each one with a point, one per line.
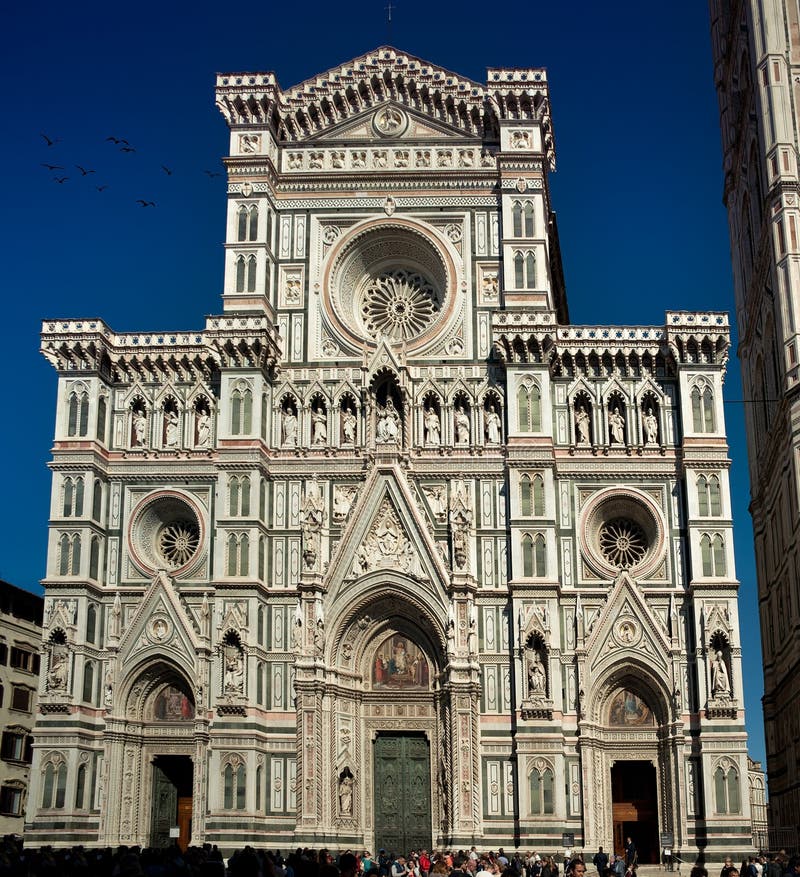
(166, 532)
(622, 542)
(622, 530)
(399, 304)
(389, 281)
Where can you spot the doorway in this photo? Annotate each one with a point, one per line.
(634, 800)
(172, 800)
(402, 793)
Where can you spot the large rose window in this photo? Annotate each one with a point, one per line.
(166, 532)
(391, 281)
(622, 542)
(399, 304)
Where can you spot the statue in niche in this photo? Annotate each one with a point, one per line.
(437, 497)
(233, 677)
(343, 497)
(720, 681)
(536, 676)
(462, 426)
(616, 424)
(108, 690)
(432, 427)
(289, 426)
(582, 425)
(311, 520)
(348, 426)
(460, 523)
(203, 428)
(388, 423)
(139, 427)
(57, 671)
(171, 430)
(346, 794)
(650, 424)
(493, 426)
(319, 426)
(319, 638)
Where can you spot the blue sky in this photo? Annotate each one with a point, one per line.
(637, 190)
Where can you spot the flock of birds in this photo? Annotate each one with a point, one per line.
(124, 146)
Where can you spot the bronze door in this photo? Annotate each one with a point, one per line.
(165, 806)
(402, 793)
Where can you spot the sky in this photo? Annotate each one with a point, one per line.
(637, 190)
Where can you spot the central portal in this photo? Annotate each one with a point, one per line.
(172, 800)
(402, 793)
(635, 808)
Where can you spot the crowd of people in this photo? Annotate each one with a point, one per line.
(16, 860)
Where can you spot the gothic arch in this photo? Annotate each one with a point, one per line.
(633, 674)
(142, 684)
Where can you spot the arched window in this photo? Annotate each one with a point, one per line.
(69, 561)
(705, 555)
(238, 554)
(247, 223)
(251, 273)
(259, 784)
(702, 496)
(712, 555)
(69, 497)
(525, 496)
(530, 270)
(516, 219)
(262, 500)
(88, 682)
(94, 558)
(241, 273)
(519, 271)
(80, 787)
(260, 683)
(239, 496)
(541, 792)
(718, 553)
(538, 495)
(102, 407)
(703, 409)
(78, 413)
(63, 555)
(539, 557)
(262, 558)
(528, 216)
(234, 788)
(529, 405)
(726, 790)
(241, 411)
(714, 497)
(260, 626)
(227, 781)
(91, 623)
(97, 500)
(78, 497)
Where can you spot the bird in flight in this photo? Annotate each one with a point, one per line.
(50, 141)
(145, 203)
(61, 180)
(117, 140)
(127, 149)
(100, 188)
(52, 167)
(84, 171)
(166, 170)
(212, 174)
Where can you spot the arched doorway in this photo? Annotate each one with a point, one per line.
(154, 766)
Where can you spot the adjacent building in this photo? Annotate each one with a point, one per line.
(20, 643)
(756, 46)
(391, 554)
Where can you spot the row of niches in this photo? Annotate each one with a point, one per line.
(389, 159)
(390, 420)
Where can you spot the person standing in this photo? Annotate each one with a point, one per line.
(600, 861)
(630, 852)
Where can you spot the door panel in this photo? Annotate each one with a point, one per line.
(402, 793)
(165, 804)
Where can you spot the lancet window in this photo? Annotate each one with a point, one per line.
(529, 408)
(78, 413)
(524, 269)
(709, 496)
(702, 408)
(712, 555)
(247, 223)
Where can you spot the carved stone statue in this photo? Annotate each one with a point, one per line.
(343, 497)
(493, 427)
(388, 423)
(720, 681)
(346, 795)
(203, 429)
(462, 426)
(460, 524)
(233, 670)
(108, 690)
(582, 425)
(432, 427)
(650, 424)
(536, 675)
(289, 428)
(348, 426)
(319, 426)
(319, 638)
(171, 432)
(57, 671)
(616, 424)
(139, 427)
(311, 520)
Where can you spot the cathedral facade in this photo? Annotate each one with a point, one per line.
(391, 554)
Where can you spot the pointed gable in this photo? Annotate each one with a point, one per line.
(162, 626)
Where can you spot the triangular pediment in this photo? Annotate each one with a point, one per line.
(387, 530)
(160, 625)
(627, 627)
(390, 123)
